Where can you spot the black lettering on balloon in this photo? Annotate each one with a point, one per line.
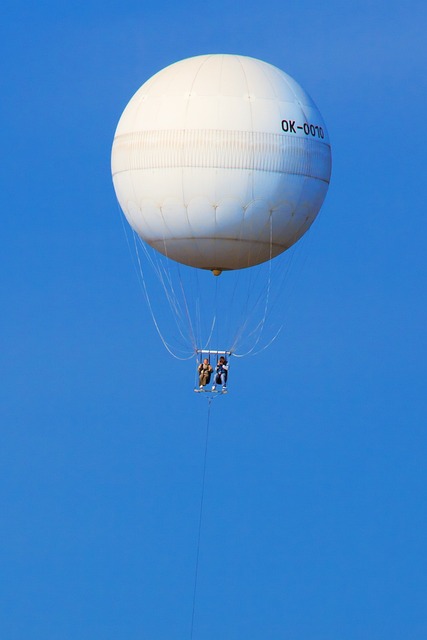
(314, 130)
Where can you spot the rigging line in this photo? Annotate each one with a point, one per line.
(170, 295)
(294, 260)
(198, 307)
(294, 256)
(253, 282)
(214, 325)
(166, 268)
(237, 281)
(193, 287)
(261, 349)
(147, 297)
(198, 320)
(140, 277)
(163, 275)
(207, 343)
(165, 280)
(187, 312)
(156, 265)
(200, 517)
(132, 253)
(261, 325)
(245, 325)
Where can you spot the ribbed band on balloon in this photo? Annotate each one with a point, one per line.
(256, 151)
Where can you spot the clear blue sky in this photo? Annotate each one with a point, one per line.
(315, 507)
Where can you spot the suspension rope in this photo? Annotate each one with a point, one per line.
(208, 343)
(187, 312)
(260, 327)
(164, 276)
(141, 279)
(204, 312)
(200, 518)
(150, 307)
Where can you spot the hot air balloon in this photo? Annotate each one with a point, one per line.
(221, 162)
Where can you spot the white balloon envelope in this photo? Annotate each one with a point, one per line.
(221, 161)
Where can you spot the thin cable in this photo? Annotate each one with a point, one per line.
(136, 262)
(164, 276)
(261, 324)
(200, 517)
(153, 317)
(190, 324)
(213, 323)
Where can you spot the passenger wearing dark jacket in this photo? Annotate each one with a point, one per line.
(221, 374)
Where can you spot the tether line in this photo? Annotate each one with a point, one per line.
(200, 518)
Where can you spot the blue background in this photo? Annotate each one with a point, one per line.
(314, 522)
